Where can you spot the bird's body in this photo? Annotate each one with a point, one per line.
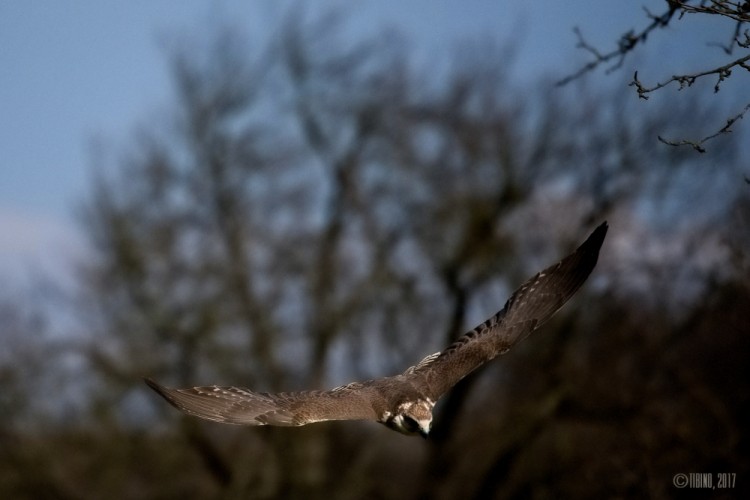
(403, 402)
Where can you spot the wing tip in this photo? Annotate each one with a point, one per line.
(594, 242)
(159, 389)
(596, 238)
(152, 384)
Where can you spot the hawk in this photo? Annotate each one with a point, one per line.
(402, 402)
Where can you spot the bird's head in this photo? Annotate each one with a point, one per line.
(412, 418)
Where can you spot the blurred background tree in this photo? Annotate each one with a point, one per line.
(312, 212)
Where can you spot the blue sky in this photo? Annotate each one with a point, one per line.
(76, 73)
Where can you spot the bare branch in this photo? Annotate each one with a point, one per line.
(698, 145)
(723, 73)
(626, 44)
(736, 11)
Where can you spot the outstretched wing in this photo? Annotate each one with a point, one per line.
(234, 405)
(529, 306)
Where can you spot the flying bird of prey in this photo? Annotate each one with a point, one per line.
(403, 402)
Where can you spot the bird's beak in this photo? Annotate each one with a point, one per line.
(425, 433)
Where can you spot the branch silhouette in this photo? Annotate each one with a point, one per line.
(739, 12)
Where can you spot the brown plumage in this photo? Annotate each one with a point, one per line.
(403, 402)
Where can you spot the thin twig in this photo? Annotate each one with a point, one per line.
(626, 44)
(731, 10)
(723, 73)
(698, 145)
